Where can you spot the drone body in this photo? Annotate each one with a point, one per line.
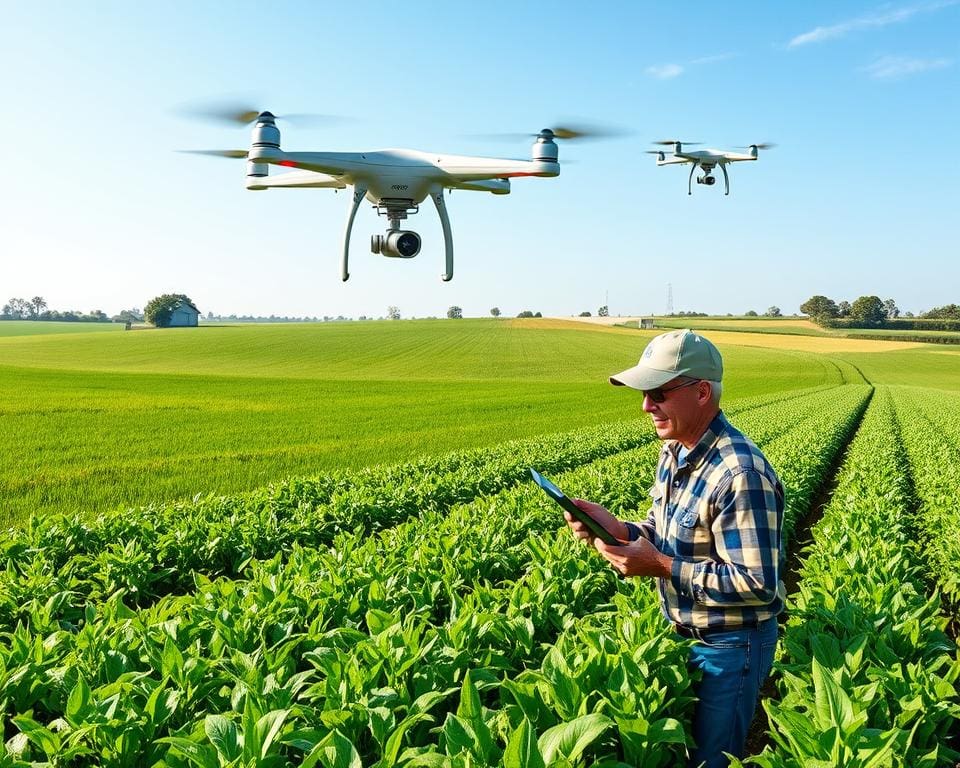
(395, 181)
(704, 159)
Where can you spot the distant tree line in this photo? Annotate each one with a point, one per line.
(874, 312)
(36, 309)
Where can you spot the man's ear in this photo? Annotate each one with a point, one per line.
(704, 393)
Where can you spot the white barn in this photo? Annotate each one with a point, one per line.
(184, 315)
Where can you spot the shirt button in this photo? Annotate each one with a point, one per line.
(676, 483)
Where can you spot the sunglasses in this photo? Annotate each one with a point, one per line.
(659, 394)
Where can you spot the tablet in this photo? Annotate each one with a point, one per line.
(564, 501)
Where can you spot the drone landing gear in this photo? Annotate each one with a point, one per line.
(398, 243)
(690, 178)
(437, 196)
(358, 194)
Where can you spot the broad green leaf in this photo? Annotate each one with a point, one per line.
(522, 749)
(667, 731)
(268, 727)
(395, 743)
(198, 754)
(39, 735)
(162, 703)
(569, 740)
(335, 751)
(222, 732)
(458, 735)
(78, 703)
(469, 708)
(832, 703)
(426, 701)
(171, 660)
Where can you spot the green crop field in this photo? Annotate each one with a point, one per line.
(95, 421)
(316, 545)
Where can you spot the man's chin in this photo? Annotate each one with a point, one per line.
(663, 429)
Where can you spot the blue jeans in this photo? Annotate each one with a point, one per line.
(734, 665)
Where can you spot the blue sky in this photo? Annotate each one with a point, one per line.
(859, 197)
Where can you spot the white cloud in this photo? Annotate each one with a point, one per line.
(870, 21)
(899, 67)
(664, 71)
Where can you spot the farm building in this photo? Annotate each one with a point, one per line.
(646, 323)
(184, 315)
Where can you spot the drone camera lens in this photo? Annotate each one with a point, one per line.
(408, 244)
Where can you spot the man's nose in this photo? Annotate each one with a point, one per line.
(648, 405)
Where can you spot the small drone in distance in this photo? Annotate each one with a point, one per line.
(395, 181)
(705, 159)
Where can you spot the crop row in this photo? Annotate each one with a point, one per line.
(931, 435)
(354, 641)
(867, 676)
(366, 648)
(157, 551)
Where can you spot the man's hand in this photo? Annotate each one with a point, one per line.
(602, 516)
(636, 558)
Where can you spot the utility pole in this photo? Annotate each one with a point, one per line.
(669, 298)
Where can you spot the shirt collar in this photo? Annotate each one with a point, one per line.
(704, 445)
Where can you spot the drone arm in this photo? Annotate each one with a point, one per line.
(693, 167)
(436, 194)
(726, 178)
(358, 194)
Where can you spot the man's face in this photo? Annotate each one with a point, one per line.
(680, 415)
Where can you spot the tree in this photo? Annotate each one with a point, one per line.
(38, 304)
(584, 314)
(891, 309)
(159, 309)
(772, 312)
(525, 313)
(136, 316)
(843, 309)
(749, 313)
(495, 311)
(868, 310)
(17, 309)
(604, 311)
(537, 314)
(393, 313)
(819, 307)
(455, 313)
(946, 312)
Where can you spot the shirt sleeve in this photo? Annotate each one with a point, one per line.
(647, 528)
(746, 532)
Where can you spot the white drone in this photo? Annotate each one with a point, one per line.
(395, 181)
(706, 159)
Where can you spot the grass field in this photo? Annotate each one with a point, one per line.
(94, 421)
(34, 327)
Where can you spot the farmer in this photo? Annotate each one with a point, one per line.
(711, 537)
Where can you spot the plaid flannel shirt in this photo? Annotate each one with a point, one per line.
(718, 513)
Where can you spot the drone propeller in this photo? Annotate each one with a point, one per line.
(568, 132)
(235, 154)
(244, 114)
(767, 145)
(671, 142)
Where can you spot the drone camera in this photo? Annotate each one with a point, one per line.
(708, 180)
(397, 244)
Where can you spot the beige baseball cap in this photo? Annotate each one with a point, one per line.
(672, 354)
